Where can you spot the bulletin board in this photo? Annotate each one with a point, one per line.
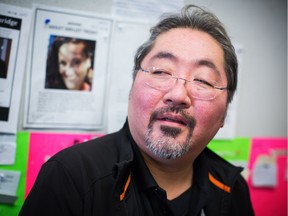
(33, 149)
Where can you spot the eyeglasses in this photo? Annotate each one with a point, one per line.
(200, 88)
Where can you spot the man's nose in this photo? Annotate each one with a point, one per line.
(178, 94)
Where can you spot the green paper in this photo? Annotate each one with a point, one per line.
(21, 159)
(237, 149)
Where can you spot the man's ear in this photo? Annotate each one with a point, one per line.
(222, 125)
(224, 117)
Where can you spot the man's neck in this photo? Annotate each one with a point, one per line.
(174, 177)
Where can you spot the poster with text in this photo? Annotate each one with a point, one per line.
(67, 69)
(14, 31)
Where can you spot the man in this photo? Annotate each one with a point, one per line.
(158, 164)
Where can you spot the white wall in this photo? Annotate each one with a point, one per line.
(260, 27)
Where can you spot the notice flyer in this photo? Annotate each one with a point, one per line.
(14, 31)
(268, 180)
(67, 69)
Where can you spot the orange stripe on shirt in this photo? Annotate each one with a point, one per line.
(125, 188)
(219, 184)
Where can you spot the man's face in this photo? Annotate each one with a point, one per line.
(73, 65)
(171, 124)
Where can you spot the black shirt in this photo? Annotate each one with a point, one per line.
(88, 180)
(154, 197)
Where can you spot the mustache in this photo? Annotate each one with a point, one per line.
(191, 122)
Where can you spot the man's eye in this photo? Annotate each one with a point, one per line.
(160, 72)
(203, 83)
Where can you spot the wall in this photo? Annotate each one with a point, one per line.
(260, 27)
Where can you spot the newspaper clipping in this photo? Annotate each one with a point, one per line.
(68, 70)
(14, 30)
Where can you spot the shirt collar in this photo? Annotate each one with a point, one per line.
(142, 175)
(201, 172)
(144, 179)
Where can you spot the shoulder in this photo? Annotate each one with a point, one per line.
(221, 171)
(227, 179)
(220, 166)
(95, 158)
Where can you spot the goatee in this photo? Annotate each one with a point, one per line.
(166, 146)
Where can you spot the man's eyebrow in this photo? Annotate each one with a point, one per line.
(207, 63)
(164, 55)
(200, 62)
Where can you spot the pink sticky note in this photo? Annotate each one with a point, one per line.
(270, 200)
(44, 145)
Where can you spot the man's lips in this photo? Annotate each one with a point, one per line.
(169, 117)
(173, 115)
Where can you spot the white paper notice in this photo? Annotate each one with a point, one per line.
(148, 10)
(265, 171)
(7, 153)
(121, 69)
(68, 69)
(229, 129)
(9, 182)
(14, 30)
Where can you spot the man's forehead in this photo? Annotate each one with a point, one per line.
(196, 47)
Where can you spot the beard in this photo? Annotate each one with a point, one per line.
(167, 146)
